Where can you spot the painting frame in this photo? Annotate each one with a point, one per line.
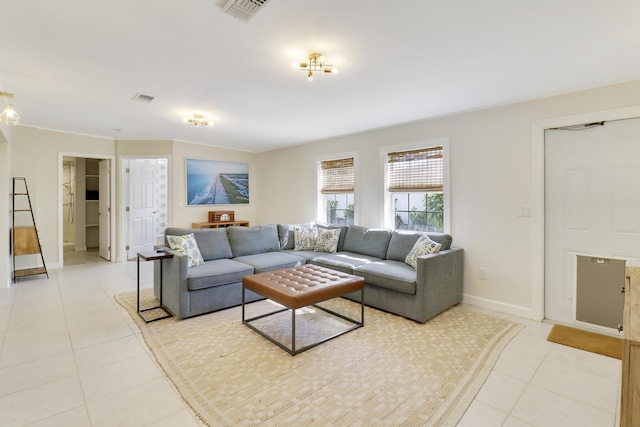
(215, 182)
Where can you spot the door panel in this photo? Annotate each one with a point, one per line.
(576, 199)
(626, 199)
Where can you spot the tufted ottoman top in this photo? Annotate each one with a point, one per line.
(302, 286)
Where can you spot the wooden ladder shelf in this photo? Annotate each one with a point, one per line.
(24, 237)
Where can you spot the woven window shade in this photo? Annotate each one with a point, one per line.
(416, 170)
(337, 176)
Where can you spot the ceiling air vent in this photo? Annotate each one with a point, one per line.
(142, 98)
(244, 9)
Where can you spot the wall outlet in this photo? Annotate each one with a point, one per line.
(482, 273)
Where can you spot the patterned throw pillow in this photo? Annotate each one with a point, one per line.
(424, 246)
(327, 240)
(187, 245)
(305, 238)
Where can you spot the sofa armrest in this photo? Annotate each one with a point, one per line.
(175, 273)
(439, 282)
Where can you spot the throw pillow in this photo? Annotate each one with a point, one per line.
(327, 240)
(423, 246)
(187, 245)
(305, 238)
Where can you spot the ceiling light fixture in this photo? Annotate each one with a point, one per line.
(9, 116)
(316, 64)
(198, 120)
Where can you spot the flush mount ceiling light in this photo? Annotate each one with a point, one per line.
(198, 120)
(9, 116)
(316, 64)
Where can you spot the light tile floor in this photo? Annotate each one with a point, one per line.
(539, 383)
(71, 356)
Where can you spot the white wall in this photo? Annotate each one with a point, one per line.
(491, 164)
(5, 205)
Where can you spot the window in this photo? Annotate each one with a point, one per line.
(337, 191)
(416, 185)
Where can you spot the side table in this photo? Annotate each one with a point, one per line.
(152, 256)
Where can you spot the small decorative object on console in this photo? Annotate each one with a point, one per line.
(221, 216)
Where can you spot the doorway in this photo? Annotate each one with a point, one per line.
(592, 211)
(145, 200)
(85, 215)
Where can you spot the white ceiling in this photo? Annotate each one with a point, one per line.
(75, 65)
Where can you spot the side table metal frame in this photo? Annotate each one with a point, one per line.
(152, 256)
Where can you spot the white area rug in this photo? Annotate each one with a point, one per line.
(392, 371)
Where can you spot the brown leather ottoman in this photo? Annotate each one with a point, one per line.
(300, 287)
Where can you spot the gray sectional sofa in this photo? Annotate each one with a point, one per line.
(375, 254)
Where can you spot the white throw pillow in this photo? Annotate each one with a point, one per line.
(423, 246)
(327, 240)
(187, 244)
(304, 238)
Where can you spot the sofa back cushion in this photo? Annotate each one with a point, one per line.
(343, 232)
(253, 240)
(403, 241)
(285, 234)
(213, 242)
(367, 241)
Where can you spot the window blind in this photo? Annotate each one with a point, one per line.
(337, 176)
(416, 170)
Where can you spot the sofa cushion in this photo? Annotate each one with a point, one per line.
(367, 241)
(402, 242)
(343, 261)
(217, 272)
(285, 234)
(308, 255)
(187, 245)
(305, 238)
(393, 275)
(270, 261)
(213, 242)
(327, 240)
(343, 232)
(444, 239)
(253, 240)
(424, 246)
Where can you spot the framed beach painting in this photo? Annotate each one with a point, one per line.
(211, 182)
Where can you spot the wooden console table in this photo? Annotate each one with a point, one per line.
(630, 403)
(221, 224)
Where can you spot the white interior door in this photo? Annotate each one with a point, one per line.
(104, 208)
(142, 206)
(592, 204)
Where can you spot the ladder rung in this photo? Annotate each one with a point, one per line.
(22, 210)
(30, 271)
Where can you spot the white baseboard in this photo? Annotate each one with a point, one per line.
(502, 307)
